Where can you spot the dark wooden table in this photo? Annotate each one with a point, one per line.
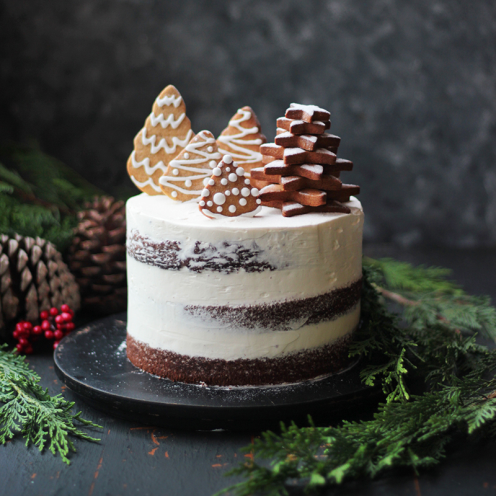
(144, 460)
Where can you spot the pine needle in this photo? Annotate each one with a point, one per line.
(28, 410)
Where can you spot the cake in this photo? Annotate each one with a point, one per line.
(246, 296)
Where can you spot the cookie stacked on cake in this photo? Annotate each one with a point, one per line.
(301, 172)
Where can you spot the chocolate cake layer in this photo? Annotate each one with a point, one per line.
(241, 372)
(171, 255)
(281, 316)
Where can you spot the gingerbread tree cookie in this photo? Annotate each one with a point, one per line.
(242, 139)
(190, 170)
(228, 193)
(166, 132)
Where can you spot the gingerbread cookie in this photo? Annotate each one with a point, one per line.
(309, 197)
(307, 113)
(166, 132)
(187, 174)
(301, 127)
(291, 208)
(297, 156)
(307, 141)
(228, 193)
(278, 168)
(242, 139)
(293, 183)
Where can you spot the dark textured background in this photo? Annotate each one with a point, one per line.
(411, 86)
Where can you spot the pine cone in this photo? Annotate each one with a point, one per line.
(97, 256)
(33, 278)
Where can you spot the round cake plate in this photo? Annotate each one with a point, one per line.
(92, 362)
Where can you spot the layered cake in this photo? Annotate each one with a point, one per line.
(229, 284)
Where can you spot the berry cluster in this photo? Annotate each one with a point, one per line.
(55, 324)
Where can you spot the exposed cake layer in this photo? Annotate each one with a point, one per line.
(290, 368)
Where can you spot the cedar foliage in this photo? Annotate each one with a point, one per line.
(39, 195)
(434, 341)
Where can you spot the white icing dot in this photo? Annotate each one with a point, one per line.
(240, 171)
(186, 155)
(227, 192)
(232, 208)
(219, 198)
(174, 194)
(254, 191)
(212, 163)
(242, 202)
(219, 209)
(233, 177)
(245, 192)
(247, 181)
(228, 169)
(188, 183)
(175, 172)
(209, 204)
(259, 201)
(217, 171)
(227, 159)
(211, 182)
(223, 181)
(202, 203)
(210, 149)
(235, 191)
(205, 192)
(205, 181)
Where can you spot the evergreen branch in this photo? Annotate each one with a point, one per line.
(28, 409)
(437, 343)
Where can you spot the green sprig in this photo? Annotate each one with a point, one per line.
(436, 342)
(28, 409)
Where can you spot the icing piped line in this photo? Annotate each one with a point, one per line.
(167, 100)
(159, 119)
(163, 143)
(215, 215)
(148, 182)
(150, 170)
(236, 141)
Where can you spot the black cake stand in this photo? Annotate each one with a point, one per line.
(93, 363)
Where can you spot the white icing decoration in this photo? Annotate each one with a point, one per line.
(210, 149)
(223, 181)
(254, 191)
(235, 191)
(242, 202)
(213, 163)
(219, 198)
(174, 194)
(175, 172)
(219, 209)
(202, 203)
(245, 192)
(232, 208)
(149, 170)
(170, 121)
(187, 164)
(217, 171)
(209, 203)
(163, 143)
(259, 201)
(228, 159)
(167, 100)
(228, 169)
(233, 177)
(211, 182)
(240, 171)
(148, 182)
(205, 192)
(235, 142)
(247, 181)
(227, 192)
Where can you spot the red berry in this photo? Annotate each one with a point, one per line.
(23, 341)
(54, 311)
(55, 344)
(66, 316)
(15, 334)
(44, 315)
(70, 326)
(19, 326)
(28, 350)
(19, 347)
(58, 335)
(37, 330)
(45, 325)
(65, 308)
(49, 334)
(59, 319)
(27, 326)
